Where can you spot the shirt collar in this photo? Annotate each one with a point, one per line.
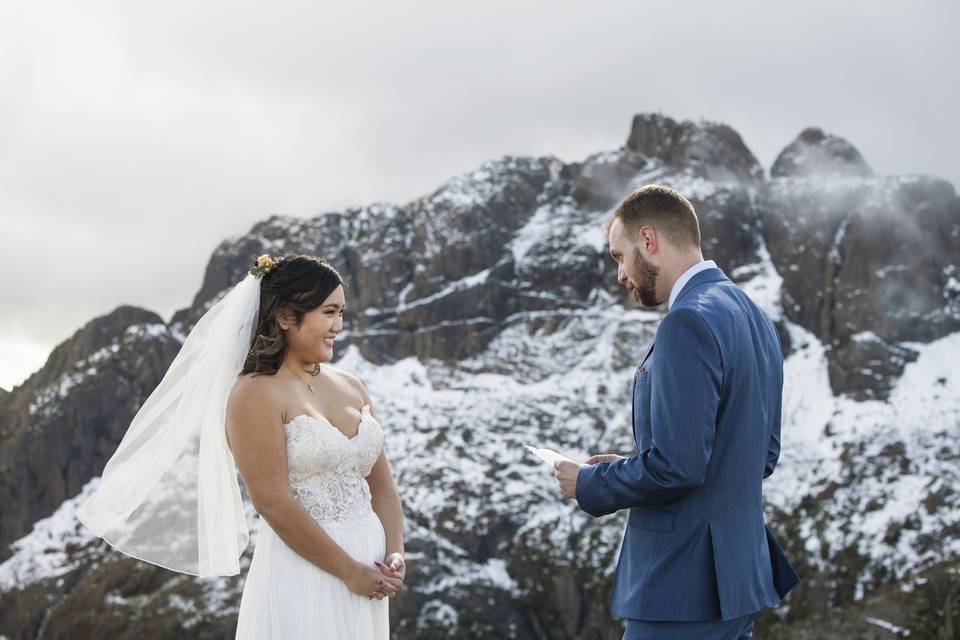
(685, 278)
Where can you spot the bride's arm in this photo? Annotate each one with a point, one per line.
(386, 498)
(257, 440)
(386, 502)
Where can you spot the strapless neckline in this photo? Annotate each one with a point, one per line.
(364, 414)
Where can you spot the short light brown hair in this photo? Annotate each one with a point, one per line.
(662, 208)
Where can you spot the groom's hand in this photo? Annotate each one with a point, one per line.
(566, 473)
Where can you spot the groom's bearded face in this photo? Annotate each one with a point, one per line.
(643, 279)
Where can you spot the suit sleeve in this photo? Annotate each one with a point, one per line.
(685, 397)
(773, 449)
(773, 452)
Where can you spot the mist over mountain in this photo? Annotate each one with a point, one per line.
(486, 315)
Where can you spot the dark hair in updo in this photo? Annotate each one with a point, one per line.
(298, 283)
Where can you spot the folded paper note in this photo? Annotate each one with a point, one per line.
(549, 456)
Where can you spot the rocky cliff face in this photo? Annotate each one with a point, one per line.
(868, 266)
(486, 315)
(60, 426)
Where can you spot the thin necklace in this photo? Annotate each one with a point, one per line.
(309, 386)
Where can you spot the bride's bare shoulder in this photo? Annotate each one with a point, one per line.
(254, 392)
(254, 383)
(348, 382)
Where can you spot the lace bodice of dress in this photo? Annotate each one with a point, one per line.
(327, 470)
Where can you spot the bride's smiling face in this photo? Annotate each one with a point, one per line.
(313, 340)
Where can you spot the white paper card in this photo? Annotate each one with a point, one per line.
(549, 456)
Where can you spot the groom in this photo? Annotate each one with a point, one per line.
(697, 559)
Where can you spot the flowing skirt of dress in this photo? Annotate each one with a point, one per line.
(286, 597)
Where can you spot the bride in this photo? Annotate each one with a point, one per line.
(251, 390)
(304, 438)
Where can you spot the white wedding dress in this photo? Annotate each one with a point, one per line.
(285, 597)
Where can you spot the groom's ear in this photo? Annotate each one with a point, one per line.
(647, 240)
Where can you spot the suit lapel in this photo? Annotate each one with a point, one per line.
(707, 275)
(633, 408)
(646, 355)
(633, 395)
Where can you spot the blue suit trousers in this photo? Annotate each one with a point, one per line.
(735, 629)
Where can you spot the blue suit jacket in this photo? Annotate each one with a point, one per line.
(706, 420)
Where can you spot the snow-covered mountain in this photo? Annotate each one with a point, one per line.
(485, 316)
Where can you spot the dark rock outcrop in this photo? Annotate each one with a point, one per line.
(658, 147)
(818, 154)
(711, 150)
(866, 264)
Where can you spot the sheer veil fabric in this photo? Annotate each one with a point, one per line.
(170, 493)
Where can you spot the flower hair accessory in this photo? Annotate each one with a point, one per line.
(263, 265)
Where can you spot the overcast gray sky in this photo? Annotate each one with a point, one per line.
(135, 136)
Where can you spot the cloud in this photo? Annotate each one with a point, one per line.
(138, 135)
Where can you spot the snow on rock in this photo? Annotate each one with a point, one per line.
(864, 490)
(43, 553)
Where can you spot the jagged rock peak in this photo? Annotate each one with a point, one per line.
(93, 336)
(710, 148)
(816, 153)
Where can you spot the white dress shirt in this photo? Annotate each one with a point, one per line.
(685, 278)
